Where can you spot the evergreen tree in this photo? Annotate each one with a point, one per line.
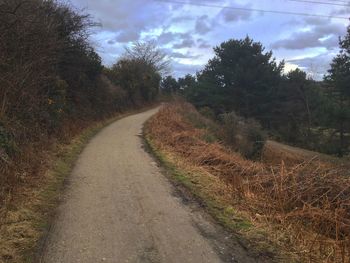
(241, 77)
(169, 85)
(338, 87)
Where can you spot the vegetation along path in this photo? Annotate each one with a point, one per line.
(118, 207)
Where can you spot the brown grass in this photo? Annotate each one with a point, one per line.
(310, 201)
(36, 177)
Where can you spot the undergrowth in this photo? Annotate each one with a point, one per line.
(308, 202)
(26, 217)
(214, 196)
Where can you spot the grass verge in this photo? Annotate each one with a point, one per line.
(28, 219)
(212, 195)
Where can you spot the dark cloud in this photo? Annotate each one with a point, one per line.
(129, 20)
(183, 18)
(203, 25)
(230, 15)
(184, 44)
(117, 16)
(168, 37)
(321, 34)
(343, 11)
(203, 44)
(127, 36)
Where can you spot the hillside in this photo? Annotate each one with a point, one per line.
(305, 200)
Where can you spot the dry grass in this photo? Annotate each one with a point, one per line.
(309, 201)
(31, 200)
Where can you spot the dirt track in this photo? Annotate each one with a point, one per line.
(118, 207)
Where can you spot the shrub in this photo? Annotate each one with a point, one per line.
(309, 201)
(207, 112)
(243, 135)
(7, 145)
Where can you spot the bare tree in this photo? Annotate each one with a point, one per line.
(149, 53)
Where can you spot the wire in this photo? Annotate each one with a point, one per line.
(252, 9)
(321, 3)
(339, 1)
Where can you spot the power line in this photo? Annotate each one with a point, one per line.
(339, 1)
(336, 1)
(252, 9)
(321, 3)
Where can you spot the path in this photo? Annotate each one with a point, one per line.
(118, 207)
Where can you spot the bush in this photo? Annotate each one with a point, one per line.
(243, 135)
(7, 145)
(207, 112)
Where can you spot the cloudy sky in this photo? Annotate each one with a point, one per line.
(188, 32)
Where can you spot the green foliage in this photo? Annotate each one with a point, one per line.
(186, 83)
(52, 81)
(295, 104)
(241, 77)
(140, 80)
(207, 112)
(338, 90)
(139, 71)
(56, 103)
(48, 68)
(169, 85)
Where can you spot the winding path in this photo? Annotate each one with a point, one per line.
(118, 207)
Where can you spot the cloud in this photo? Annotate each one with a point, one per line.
(168, 37)
(230, 15)
(317, 66)
(181, 55)
(127, 36)
(342, 11)
(203, 44)
(203, 26)
(183, 29)
(186, 43)
(321, 34)
(181, 18)
(181, 69)
(177, 55)
(117, 16)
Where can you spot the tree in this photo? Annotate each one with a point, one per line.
(50, 76)
(169, 85)
(295, 105)
(149, 54)
(139, 79)
(186, 83)
(338, 81)
(241, 77)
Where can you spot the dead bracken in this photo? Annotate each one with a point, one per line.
(310, 200)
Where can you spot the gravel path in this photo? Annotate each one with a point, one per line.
(118, 207)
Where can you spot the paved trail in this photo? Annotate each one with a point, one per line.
(118, 207)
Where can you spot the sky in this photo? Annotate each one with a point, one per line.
(188, 32)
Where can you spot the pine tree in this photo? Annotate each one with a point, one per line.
(338, 80)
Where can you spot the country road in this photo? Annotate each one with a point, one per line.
(118, 207)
